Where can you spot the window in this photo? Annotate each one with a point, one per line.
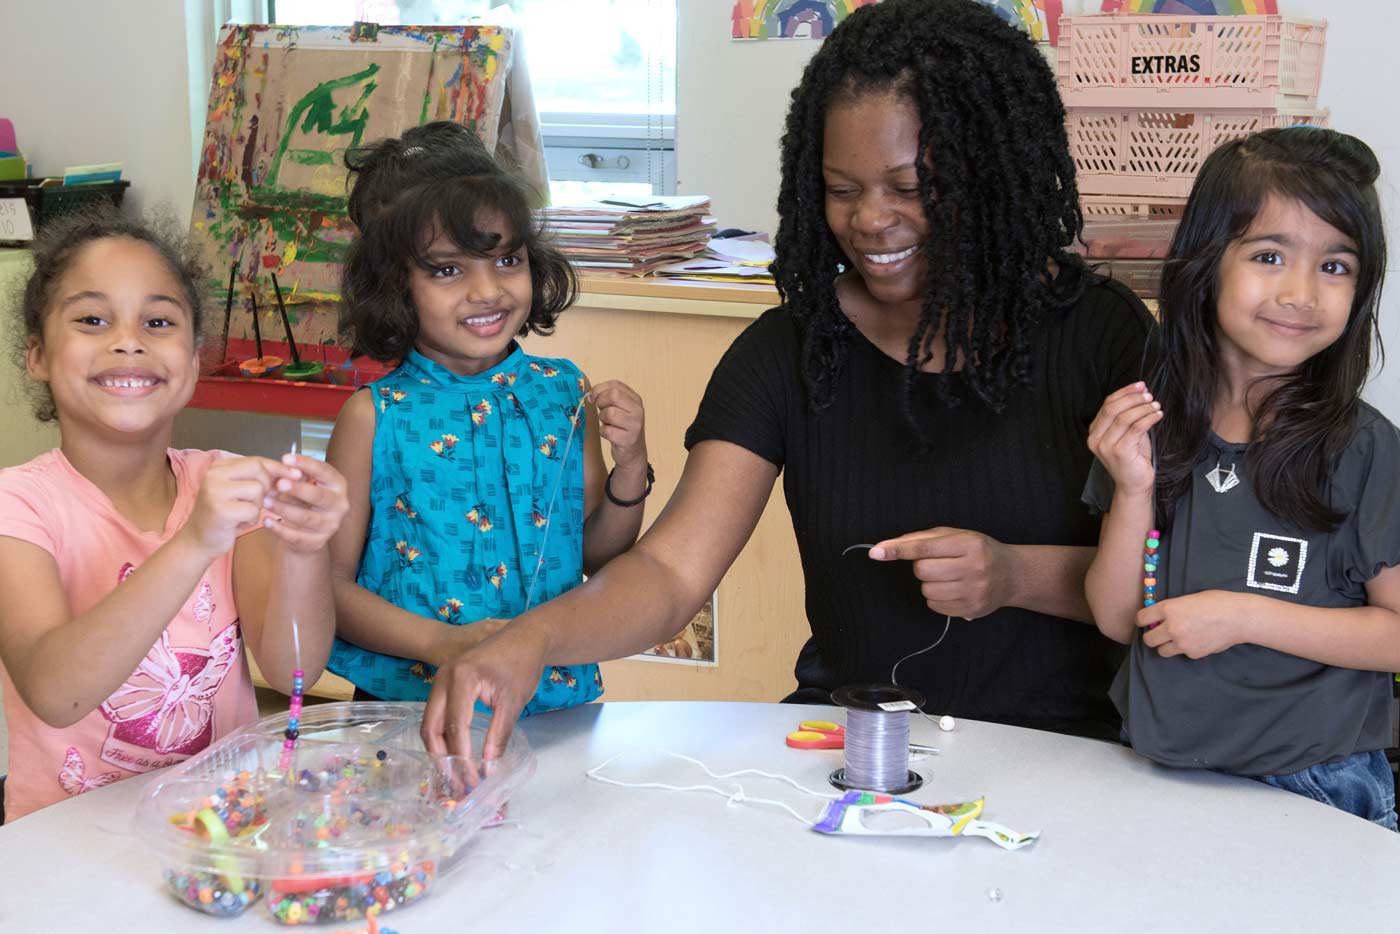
(603, 74)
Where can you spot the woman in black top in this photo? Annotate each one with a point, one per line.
(927, 385)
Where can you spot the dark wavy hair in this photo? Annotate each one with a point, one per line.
(999, 195)
(54, 250)
(380, 171)
(1305, 422)
(377, 317)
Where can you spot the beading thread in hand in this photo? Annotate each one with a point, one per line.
(549, 510)
(1149, 568)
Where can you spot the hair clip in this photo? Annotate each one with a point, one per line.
(413, 150)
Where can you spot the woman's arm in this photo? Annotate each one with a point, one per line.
(363, 617)
(968, 574)
(641, 598)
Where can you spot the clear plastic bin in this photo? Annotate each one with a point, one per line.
(362, 820)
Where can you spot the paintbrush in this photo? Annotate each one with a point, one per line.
(298, 370)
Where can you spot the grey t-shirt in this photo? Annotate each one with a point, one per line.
(1251, 710)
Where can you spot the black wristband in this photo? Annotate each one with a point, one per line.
(625, 503)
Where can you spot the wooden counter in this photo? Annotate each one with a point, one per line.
(664, 340)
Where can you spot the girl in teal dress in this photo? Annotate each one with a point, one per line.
(475, 470)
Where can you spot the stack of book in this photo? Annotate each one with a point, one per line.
(631, 238)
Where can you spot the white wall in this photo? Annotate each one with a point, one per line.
(1360, 78)
(731, 101)
(102, 82)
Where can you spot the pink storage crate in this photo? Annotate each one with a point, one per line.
(1109, 60)
(1137, 228)
(1159, 152)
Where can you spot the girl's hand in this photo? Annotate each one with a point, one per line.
(230, 501)
(622, 423)
(1118, 437)
(306, 503)
(960, 572)
(1196, 625)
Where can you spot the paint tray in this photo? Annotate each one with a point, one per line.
(363, 817)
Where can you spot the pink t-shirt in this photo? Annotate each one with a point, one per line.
(193, 686)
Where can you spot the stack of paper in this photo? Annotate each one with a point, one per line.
(630, 237)
(726, 260)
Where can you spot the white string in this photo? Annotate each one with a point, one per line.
(549, 511)
(737, 796)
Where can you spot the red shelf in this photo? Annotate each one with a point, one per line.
(225, 389)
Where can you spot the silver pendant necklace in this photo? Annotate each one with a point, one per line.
(1222, 481)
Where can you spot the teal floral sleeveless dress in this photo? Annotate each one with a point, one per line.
(464, 470)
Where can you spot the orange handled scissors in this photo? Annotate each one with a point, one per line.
(817, 734)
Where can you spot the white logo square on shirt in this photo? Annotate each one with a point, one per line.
(1276, 562)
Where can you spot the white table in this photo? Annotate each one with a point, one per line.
(1126, 846)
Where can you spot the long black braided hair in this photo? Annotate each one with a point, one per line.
(1000, 194)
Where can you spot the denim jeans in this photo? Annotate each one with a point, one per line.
(1361, 784)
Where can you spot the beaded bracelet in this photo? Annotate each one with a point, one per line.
(293, 730)
(1149, 567)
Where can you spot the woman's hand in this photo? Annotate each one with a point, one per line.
(503, 673)
(1118, 437)
(960, 572)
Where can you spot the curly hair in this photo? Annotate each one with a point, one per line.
(378, 319)
(999, 192)
(55, 249)
(379, 172)
(1304, 423)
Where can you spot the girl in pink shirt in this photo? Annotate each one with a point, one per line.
(134, 573)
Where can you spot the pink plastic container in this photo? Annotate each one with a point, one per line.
(1199, 61)
(1134, 152)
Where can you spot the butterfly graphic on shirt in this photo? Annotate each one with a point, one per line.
(504, 379)
(562, 676)
(548, 372)
(422, 671)
(179, 705)
(73, 776)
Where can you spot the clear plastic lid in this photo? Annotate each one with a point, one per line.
(360, 795)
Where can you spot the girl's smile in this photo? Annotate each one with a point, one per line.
(470, 307)
(1286, 291)
(117, 348)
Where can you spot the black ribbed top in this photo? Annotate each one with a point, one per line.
(853, 473)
